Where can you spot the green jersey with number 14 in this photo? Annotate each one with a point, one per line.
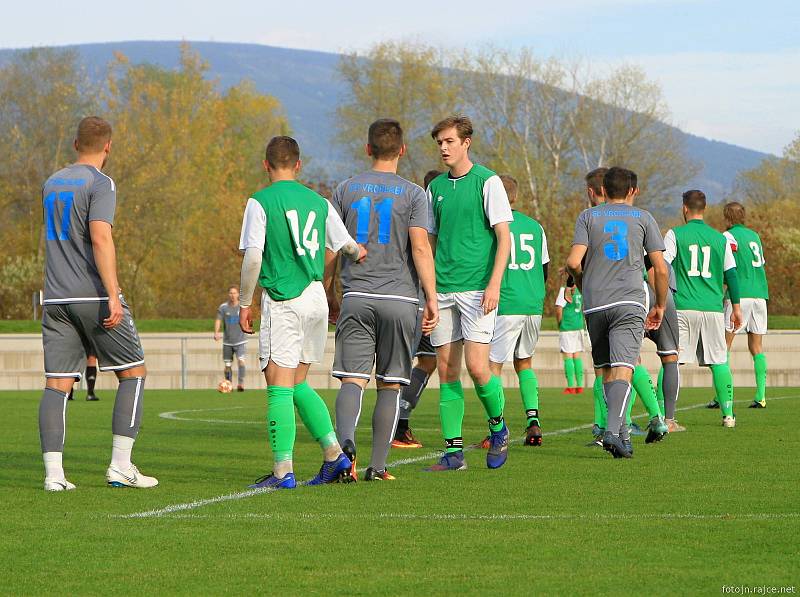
(522, 291)
(700, 256)
(749, 255)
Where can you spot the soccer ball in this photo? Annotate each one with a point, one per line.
(224, 387)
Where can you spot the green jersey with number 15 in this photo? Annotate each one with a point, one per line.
(522, 291)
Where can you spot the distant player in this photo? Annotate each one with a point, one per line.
(704, 264)
(84, 310)
(613, 238)
(286, 229)
(469, 224)
(380, 297)
(519, 316)
(569, 316)
(234, 340)
(91, 379)
(754, 291)
(420, 374)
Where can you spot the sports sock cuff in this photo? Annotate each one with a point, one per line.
(327, 440)
(760, 358)
(526, 374)
(451, 391)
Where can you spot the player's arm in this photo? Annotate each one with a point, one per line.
(732, 282)
(422, 255)
(338, 239)
(574, 263)
(105, 257)
(561, 302)
(252, 242)
(329, 282)
(660, 279)
(545, 256)
(217, 323)
(498, 212)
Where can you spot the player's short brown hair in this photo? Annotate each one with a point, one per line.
(429, 176)
(734, 213)
(92, 135)
(618, 182)
(282, 152)
(694, 201)
(385, 139)
(462, 124)
(594, 180)
(234, 287)
(510, 183)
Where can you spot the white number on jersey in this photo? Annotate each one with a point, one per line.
(695, 250)
(525, 247)
(759, 260)
(310, 235)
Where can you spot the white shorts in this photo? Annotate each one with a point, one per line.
(571, 342)
(754, 316)
(702, 338)
(293, 331)
(461, 317)
(514, 336)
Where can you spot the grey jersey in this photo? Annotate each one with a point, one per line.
(378, 208)
(616, 235)
(232, 334)
(71, 198)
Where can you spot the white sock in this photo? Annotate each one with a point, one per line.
(281, 468)
(53, 469)
(121, 447)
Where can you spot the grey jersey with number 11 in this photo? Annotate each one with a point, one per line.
(615, 235)
(378, 208)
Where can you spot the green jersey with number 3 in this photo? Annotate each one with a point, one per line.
(700, 256)
(749, 255)
(294, 251)
(523, 289)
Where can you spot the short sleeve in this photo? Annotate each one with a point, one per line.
(730, 260)
(545, 252)
(431, 220)
(254, 227)
(652, 236)
(671, 246)
(581, 236)
(561, 299)
(336, 235)
(103, 199)
(731, 241)
(495, 201)
(220, 312)
(419, 208)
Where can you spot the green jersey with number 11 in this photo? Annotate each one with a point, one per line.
(522, 291)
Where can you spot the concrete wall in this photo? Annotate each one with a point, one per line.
(195, 361)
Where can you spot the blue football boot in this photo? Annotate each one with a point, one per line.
(331, 472)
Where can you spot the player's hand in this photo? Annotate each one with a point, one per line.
(334, 309)
(430, 316)
(246, 320)
(216, 336)
(568, 293)
(491, 298)
(362, 253)
(114, 313)
(654, 318)
(736, 318)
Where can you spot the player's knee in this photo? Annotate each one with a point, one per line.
(139, 371)
(427, 364)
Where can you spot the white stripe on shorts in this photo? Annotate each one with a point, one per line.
(120, 367)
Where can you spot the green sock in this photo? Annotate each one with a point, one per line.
(630, 407)
(569, 372)
(660, 391)
(723, 385)
(451, 414)
(314, 414)
(600, 409)
(728, 363)
(578, 366)
(491, 396)
(760, 368)
(280, 422)
(529, 390)
(643, 384)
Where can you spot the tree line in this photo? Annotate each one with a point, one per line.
(187, 154)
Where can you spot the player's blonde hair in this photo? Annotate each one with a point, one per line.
(734, 213)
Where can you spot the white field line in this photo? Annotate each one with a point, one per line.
(402, 462)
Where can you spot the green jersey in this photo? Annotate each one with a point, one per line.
(463, 212)
(572, 312)
(700, 257)
(523, 289)
(749, 255)
(292, 225)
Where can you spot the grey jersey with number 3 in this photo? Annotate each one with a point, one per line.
(615, 235)
(378, 208)
(71, 198)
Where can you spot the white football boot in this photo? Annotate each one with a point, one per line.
(57, 484)
(129, 478)
(728, 421)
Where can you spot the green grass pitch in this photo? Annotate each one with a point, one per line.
(702, 509)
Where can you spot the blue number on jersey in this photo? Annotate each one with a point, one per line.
(363, 209)
(66, 198)
(617, 249)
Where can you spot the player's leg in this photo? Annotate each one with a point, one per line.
(715, 355)
(569, 372)
(411, 394)
(507, 332)
(241, 360)
(91, 378)
(227, 359)
(64, 357)
(757, 328)
(669, 386)
(528, 383)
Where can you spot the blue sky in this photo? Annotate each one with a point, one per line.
(729, 69)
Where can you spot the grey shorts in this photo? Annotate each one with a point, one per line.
(616, 334)
(70, 331)
(666, 337)
(379, 331)
(237, 350)
(422, 341)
